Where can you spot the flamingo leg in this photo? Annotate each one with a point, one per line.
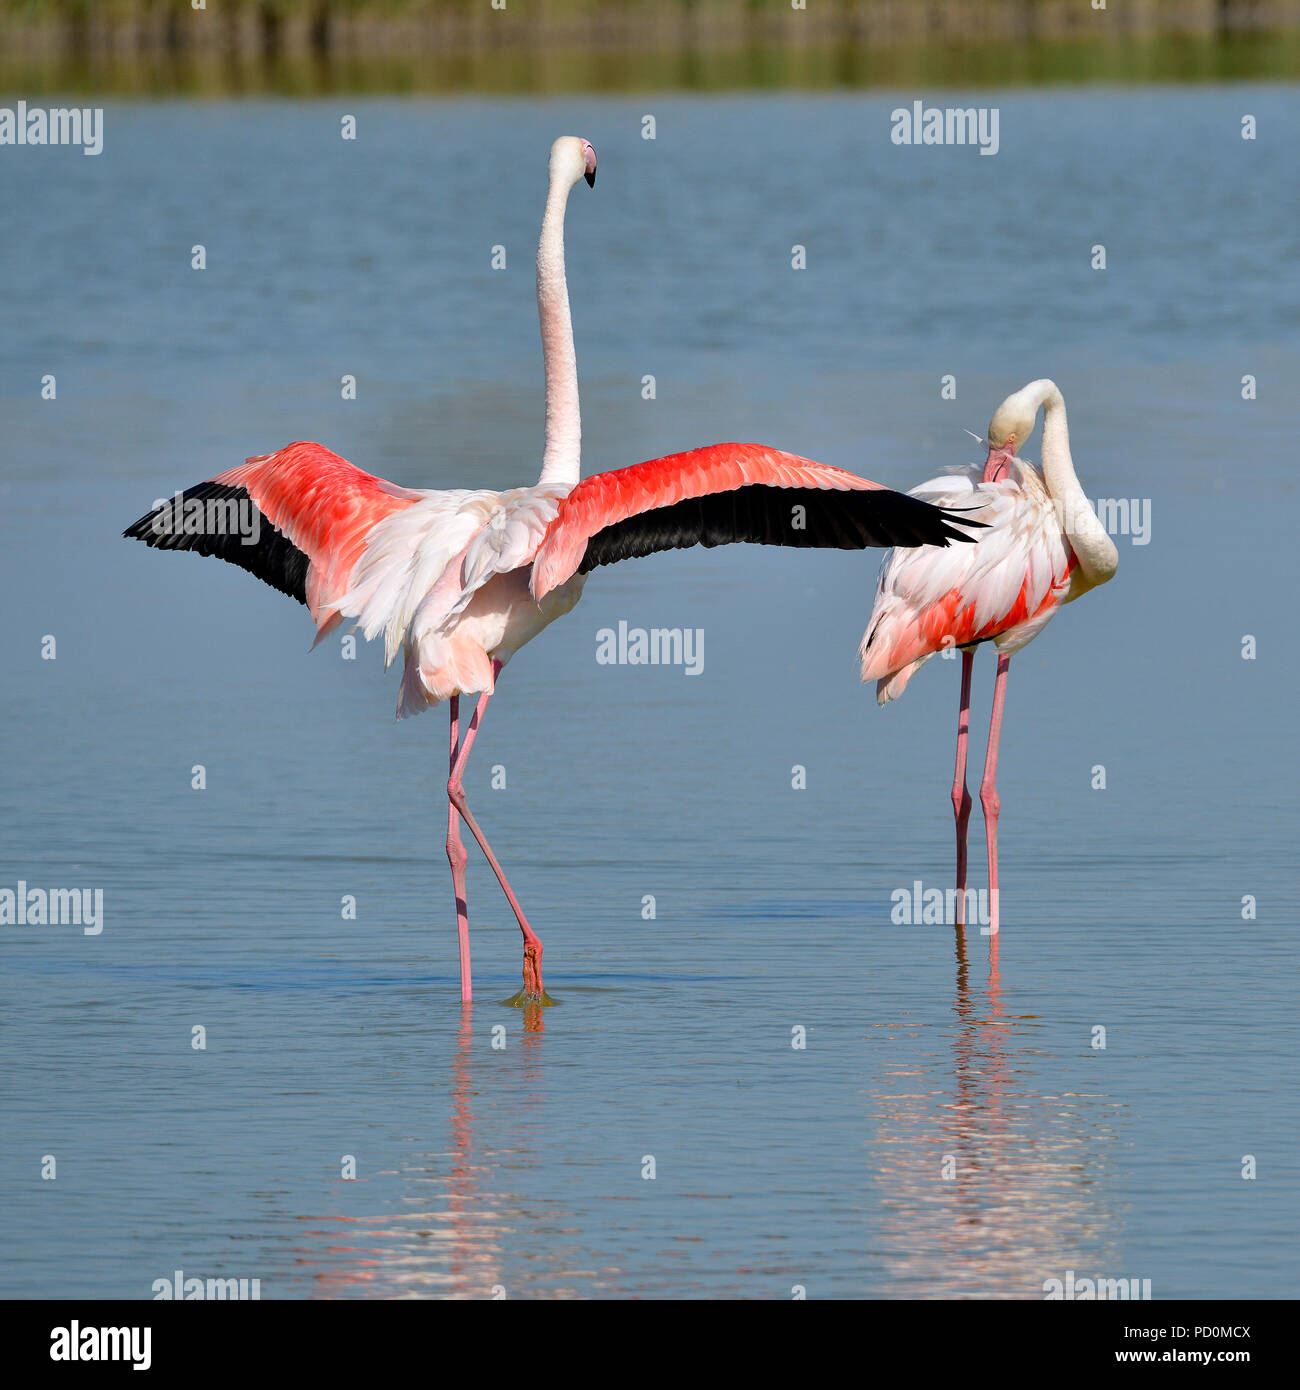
(989, 791)
(533, 991)
(961, 800)
(458, 858)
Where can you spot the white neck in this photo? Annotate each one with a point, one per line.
(562, 459)
(1098, 558)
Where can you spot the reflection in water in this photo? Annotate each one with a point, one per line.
(988, 1187)
(452, 1247)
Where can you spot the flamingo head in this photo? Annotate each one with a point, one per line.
(1013, 422)
(573, 158)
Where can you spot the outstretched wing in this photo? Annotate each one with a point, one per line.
(297, 519)
(722, 495)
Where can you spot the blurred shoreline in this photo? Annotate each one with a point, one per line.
(307, 47)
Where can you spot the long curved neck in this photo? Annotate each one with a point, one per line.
(1096, 552)
(562, 459)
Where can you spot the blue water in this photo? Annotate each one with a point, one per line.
(479, 1168)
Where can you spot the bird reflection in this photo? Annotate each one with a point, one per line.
(987, 1187)
(446, 1231)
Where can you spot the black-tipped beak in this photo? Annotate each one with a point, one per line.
(590, 176)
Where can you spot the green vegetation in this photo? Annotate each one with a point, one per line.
(313, 46)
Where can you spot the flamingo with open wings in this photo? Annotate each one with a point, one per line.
(458, 581)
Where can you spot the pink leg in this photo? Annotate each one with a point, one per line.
(989, 791)
(458, 858)
(961, 802)
(533, 991)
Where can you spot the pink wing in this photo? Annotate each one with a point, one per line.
(1005, 586)
(314, 512)
(725, 494)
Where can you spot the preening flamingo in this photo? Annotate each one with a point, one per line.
(1043, 547)
(458, 581)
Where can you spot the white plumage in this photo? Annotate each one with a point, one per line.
(1005, 587)
(446, 582)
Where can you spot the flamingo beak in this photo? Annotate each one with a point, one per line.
(997, 463)
(590, 173)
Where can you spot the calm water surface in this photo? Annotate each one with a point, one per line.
(522, 1167)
